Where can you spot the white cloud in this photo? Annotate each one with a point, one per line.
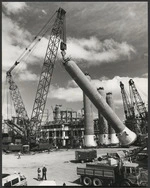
(145, 75)
(72, 93)
(16, 39)
(44, 12)
(40, 50)
(68, 94)
(28, 76)
(96, 52)
(15, 7)
(14, 42)
(8, 110)
(72, 84)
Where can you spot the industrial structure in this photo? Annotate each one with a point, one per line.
(67, 129)
(136, 115)
(125, 135)
(30, 129)
(103, 124)
(89, 137)
(112, 134)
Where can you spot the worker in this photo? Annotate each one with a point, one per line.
(64, 184)
(44, 170)
(39, 174)
(19, 155)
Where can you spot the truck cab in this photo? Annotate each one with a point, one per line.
(132, 175)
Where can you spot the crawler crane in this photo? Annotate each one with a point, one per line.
(23, 120)
(138, 101)
(131, 121)
(57, 34)
(31, 128)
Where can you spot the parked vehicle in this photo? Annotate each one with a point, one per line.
(9, 180)
(85, 155)
(15, 147)
(127, 174)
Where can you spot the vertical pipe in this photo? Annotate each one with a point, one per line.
(125, 135)
(57, 113)
(64, 139)
(112, 133)
(103, 125)
(88, 121)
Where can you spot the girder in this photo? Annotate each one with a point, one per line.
(17, 101)
(128, 108)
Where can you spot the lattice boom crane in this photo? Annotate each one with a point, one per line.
(128, 108)
(138, 101)
(16, 97)
(57, 34)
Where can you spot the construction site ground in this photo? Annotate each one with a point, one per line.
(60, 164)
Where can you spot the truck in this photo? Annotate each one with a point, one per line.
(15, 147)
(103, 174)
(85, 155)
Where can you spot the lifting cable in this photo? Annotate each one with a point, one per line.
(7, 103)
(36, 39)
(4, 91)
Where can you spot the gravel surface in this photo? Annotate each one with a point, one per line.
(60, 164)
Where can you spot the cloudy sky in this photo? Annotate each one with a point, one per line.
(109, 40)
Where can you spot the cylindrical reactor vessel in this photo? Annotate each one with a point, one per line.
(125, 135)
(103, 125)
(89, 136)
(112, 133)
(57, 114)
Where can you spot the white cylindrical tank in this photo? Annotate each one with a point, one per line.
(89, 136)
(103, 125)
(112, 133)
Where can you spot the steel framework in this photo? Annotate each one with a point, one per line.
(46, 73)
(128, 108)
(138, 101)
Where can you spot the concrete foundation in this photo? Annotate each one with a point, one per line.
(89, 141)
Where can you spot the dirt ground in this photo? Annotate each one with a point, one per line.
(58, 163)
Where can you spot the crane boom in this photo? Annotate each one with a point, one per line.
(17, 99)
(138, 101)
(23, 119)
(47, 70)
(128, 108)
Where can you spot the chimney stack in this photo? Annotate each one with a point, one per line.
(103, 125)
(89, 136)
(112, 134)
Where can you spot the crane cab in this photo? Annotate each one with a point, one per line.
(63, 46)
